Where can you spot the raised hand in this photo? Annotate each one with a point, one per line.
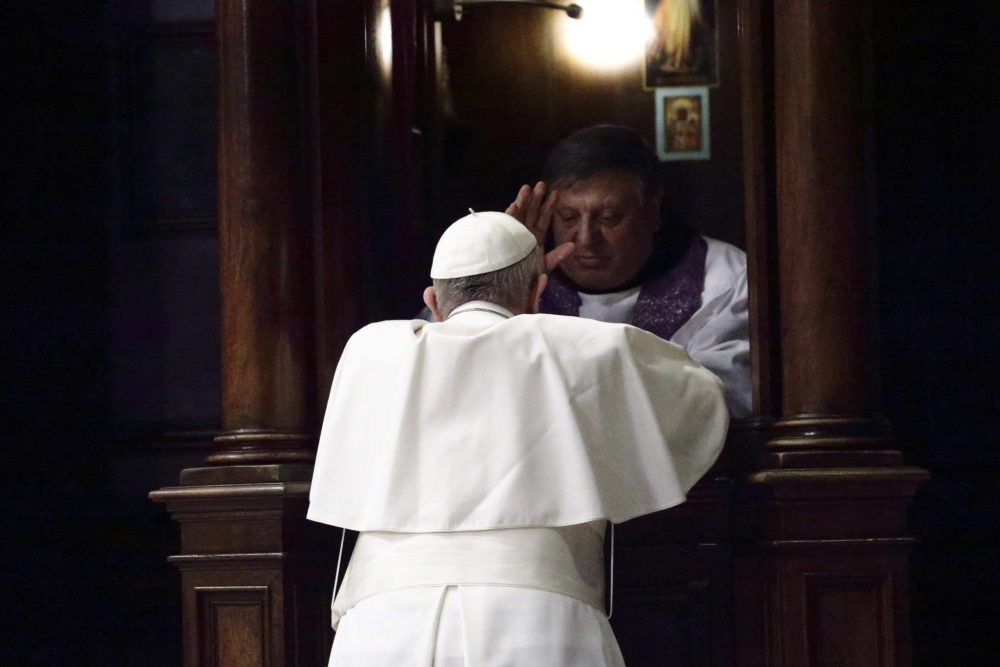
(533, 207)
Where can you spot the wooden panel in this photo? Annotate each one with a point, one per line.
(673, 581)
(275, 605)
(235, 625)
(672, 604)
(657, 626)
(820, 570)
(847, 617)
(233, 532)
(247, 543)
(842, 605)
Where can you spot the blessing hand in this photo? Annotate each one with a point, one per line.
(533, 207)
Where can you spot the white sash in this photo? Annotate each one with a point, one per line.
(567, 560)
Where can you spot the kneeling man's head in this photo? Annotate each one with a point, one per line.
(486, 256)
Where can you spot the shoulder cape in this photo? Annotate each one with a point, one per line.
(538, 420)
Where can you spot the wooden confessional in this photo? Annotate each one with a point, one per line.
(351, 133)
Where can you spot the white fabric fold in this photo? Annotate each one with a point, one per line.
(474, 626)
(539, 420)
(566, 560)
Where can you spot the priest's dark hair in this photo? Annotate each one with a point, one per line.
(599, 149)
(511, 287)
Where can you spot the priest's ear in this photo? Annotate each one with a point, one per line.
(430, 300)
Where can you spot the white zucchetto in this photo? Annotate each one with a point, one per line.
(480, 243)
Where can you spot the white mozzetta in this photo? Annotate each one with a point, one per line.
(482, 422)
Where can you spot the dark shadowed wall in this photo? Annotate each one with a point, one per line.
(938, 142)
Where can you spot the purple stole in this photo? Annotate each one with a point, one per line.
(665, 302)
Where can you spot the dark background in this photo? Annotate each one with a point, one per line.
(109, 314)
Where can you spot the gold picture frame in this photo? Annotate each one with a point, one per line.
(682, 123)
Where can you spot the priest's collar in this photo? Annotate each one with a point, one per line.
(481, 307)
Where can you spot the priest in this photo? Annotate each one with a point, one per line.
(481, 457)
(602, 190)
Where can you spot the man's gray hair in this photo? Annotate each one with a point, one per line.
(510, 287)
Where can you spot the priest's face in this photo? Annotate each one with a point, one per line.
(612, 226)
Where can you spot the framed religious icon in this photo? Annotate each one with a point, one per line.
(682, 49)
(682, 124)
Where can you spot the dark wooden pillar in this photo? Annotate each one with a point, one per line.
(820, 525)
(255, 575)
(826, 282)
(265, 236)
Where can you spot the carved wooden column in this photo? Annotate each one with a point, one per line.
(255, 575)
(265, 237)
(821, 569)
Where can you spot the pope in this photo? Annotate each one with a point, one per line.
(481, 457)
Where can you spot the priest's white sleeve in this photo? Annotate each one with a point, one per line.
(717, 335)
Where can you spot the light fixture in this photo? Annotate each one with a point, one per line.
(384, 31)
(452, 9)
(611, 35)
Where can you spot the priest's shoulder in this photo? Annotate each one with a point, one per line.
(725, 256)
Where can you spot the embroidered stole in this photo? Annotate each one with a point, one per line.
(667, 299)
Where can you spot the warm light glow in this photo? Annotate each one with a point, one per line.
(612, 33)
(384, 32)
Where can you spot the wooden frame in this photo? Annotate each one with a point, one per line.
(682, 124)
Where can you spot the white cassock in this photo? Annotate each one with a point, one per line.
(717, 334)
(480, 458)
